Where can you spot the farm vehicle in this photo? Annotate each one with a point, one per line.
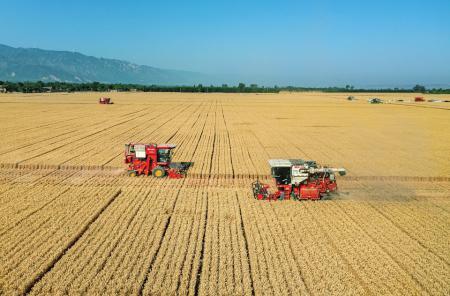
(153, 159)
(298, 179)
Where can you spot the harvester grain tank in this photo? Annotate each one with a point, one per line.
(298, 179)
(153, 159)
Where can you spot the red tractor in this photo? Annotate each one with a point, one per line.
(153, 159)
(105, 101)
(298, 179)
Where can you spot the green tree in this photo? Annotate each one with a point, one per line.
(419, 88)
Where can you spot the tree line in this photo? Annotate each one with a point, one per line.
(39, 86)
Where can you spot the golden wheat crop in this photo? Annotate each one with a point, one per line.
(72, 222)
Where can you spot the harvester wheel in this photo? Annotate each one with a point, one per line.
(158, 172)
(132, 173)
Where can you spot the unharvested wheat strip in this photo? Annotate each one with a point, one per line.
(292, 275)
(378, 269)
(207, 280)
(188, 277)
(93, 263)
(241, 241)
(187, 149)
(431, 272)
(27, 232)
(38, 249)
(272, 275)
(19, 207)
(311, 248)
(179, 241)
(203, 152)
(259, 264)
(418, 228)
(119, 255)
(222, 261)
(183, 136)
(150, 223)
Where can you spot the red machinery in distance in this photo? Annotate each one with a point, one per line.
(419, 99)
(153, 159)
(299, 179)
(105, 101)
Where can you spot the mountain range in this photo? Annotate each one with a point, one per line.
(33, 64)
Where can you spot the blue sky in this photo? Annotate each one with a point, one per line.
(312, 43)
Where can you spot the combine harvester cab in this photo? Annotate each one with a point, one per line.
(153, 159)
(298, 179)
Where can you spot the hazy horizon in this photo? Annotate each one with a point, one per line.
(307, 43)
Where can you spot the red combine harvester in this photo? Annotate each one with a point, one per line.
(419, 99)
(105, 101)
(153, 159)
(298, 179)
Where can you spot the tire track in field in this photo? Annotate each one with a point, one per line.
(202, 253)
(155, 255)
(214, 142)
(247, 251)
(229, 140)
(71, 243)
(195, 245)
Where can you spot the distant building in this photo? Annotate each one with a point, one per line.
(47, 89)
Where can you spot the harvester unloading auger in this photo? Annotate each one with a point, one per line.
(298, 179)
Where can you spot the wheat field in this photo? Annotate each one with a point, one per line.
(72, 221)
